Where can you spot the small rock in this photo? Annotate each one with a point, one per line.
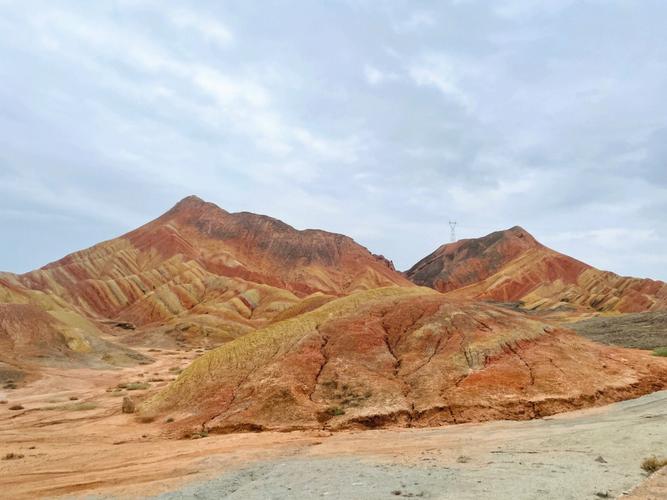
(602, 494)
(600, 459)
(128, 405)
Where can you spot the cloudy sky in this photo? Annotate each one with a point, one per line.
(380, 120)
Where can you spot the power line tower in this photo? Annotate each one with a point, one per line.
(452, 224)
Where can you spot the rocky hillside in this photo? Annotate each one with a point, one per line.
(400, 356)
(38, 329)
(511, 266)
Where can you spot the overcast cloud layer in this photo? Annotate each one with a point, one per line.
(380, 120)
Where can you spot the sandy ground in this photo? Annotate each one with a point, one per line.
(97, 452)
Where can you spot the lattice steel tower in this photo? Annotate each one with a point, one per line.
(452, 224)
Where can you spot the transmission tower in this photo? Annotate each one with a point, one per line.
(452, 224)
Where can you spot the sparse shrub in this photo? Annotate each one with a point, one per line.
(463, 459)
(653, 464)
(16, 407)
(660, 351)
(3, 402)
(169, 420)
(330, 384)
(73, 398)
(79, 406)
(175, 369)
(137, 386)
(10, 385)
(12, 456)
(72, 407)
(335, 411)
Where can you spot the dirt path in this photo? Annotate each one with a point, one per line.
(100, 451)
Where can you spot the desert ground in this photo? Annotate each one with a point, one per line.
(87, 448)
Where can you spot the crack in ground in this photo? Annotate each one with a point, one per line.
(530, 369)
(557, 367)
(323, 344)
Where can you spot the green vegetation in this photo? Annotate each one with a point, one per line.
(335, 411)
(138, 386)
(660, 351)
(653, 464)
(134, 386)
(73, 407)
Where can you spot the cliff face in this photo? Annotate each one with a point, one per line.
(511, 266)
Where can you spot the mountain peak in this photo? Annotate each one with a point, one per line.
(193, 205)
(443, 269)
(191, 201)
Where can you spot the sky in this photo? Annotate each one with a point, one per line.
(382, 120)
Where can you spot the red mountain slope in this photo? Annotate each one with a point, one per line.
(400, 356)
(201, 267)
(510, 266)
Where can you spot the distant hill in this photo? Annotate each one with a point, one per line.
(512, 266)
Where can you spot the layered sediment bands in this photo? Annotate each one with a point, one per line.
(511, 266)
(173, 265)
(393, 356)
(32, 337)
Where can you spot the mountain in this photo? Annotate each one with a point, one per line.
(512, 266)
(399, 356)
(199, 270)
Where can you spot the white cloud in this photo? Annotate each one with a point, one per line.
(442, 74)
(375, 76)
(416, 20)
(210, 29)
(610, 238)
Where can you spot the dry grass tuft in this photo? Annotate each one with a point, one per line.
(653, 464)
